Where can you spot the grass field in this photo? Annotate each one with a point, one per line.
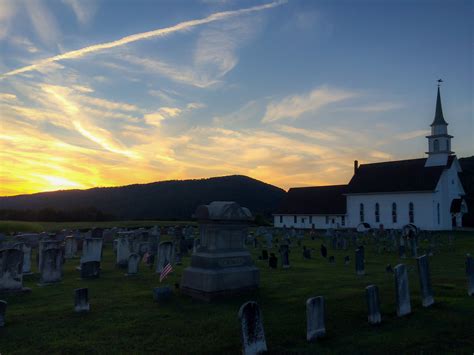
(124, 318)
(21, 226)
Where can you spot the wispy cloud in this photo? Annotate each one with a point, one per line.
(7, 10)
(373, 107)
(83, 9)
(410, 135)
(43, 22)
(182, 26)
(296, 105)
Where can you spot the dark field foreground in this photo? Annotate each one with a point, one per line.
(124, 318)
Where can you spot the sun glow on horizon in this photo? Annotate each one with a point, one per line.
(132, 95)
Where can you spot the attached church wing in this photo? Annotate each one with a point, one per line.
(319, 200)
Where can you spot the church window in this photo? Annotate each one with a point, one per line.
(343, 220)
(448, 145)
(327, 219)
(295, 219)
(394, 212)
(310, 219)
(411, 212)
(281, 219)
(436, 145)
(361, 212)
(437, 212)
(377, 213)
(302, 219)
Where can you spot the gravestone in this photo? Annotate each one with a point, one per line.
(222, 265)
(332, 260)
(70, 247)
(389, 269)
(315, 318)
(133, 262)
(162, 294)
(324, 251)
(81, 299)
(255, 242)
(306, 253)
(252, 335)
(51, 267)
(90, 270)
(3, 312)
(414, 247)
(273, 261)
(470, 274)
(46, 244)
(123, 251)
(347, 260)
(166, 255)
(402, 290)
(285, 256)
(269, 240)
(196, 243)
(359, 262)
(26, 249)
(427, 298)
(11, 271)
(373, 304)
(91, 250)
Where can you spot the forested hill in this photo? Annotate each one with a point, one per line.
(165, 200)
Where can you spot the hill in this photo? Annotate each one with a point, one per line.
(175, 199)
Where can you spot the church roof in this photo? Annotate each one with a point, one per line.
(439, 118)
(318, 200)
(396, 176)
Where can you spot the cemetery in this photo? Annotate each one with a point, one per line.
(234, 287)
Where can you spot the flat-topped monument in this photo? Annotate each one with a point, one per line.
(221, 264)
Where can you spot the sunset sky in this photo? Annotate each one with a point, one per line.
(115, 92)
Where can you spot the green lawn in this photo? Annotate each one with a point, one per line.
(124, 318)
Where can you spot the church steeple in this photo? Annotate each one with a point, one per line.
(439, 118)
(439, 142)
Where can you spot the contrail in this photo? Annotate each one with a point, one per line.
(140, 36)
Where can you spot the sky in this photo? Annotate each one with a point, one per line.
(116, 92)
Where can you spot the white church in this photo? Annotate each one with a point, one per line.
(424, 192)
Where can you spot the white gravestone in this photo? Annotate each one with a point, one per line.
(402, 290)
(315, 318)
(253, 335)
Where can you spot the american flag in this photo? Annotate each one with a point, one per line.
(166, 270)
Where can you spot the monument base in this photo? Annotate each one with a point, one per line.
(207, 285)
(210, 296)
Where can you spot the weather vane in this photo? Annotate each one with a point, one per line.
(439, 82)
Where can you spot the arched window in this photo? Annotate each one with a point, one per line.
(437, 212)
(295, 219)
(394, 212)
(448, 145)
(411, 212)
(377, 213)
(361, 212)
(436, 145)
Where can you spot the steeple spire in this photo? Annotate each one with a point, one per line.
(439, 118)
(439, 142)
